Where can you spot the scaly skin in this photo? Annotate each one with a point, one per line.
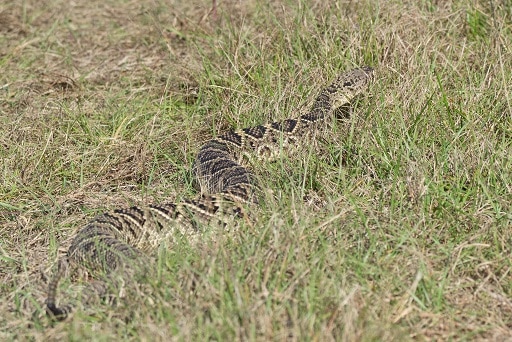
(119, 241)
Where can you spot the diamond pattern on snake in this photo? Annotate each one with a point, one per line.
(116, 245)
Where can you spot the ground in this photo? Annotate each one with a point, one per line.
(394, 226)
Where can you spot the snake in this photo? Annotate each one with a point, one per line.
(116, 245)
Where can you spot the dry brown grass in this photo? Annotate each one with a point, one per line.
(398, 228)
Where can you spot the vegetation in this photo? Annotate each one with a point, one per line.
(395, 226)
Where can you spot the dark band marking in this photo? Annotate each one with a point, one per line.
(256, 132)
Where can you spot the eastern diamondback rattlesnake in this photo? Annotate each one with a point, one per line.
(119, 241)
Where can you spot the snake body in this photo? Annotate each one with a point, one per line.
(120, 241)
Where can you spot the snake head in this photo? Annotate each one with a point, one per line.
(336, 97)
(348, 85)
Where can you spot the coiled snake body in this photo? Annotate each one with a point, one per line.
(122, 239)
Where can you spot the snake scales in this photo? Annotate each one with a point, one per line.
(119, 241)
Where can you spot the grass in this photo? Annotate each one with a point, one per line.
(397, 226)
